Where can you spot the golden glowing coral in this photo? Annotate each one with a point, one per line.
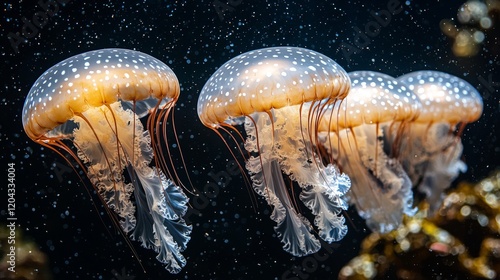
(461, 241)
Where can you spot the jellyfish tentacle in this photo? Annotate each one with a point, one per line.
(143, 219)
(389, 194)
(435, 163)
(103, 164)
(293, 229)
(160, 204)
(395, 182)
(265, 172)
(164, 231)
(326, 203)
(284, 148)
(440, 171)
(323, 187)
(167, 204)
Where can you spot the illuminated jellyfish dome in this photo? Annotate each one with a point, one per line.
(431, 152)
(352, 132)
(89, 106)
(275, 93)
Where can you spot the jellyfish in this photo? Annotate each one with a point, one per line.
(431, 152)
(90, 107)
(274, 93)
(352, 133)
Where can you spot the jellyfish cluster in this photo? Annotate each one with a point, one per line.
(352, 133)
(310, 134)
(362, 138)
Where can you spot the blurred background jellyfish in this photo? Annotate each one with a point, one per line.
(352, 133)
(275, 94)
(90, 106)
(431, 152)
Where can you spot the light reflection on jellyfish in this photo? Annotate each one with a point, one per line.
(431, 152)
(352, 133)
(265, 90)
(90, 106)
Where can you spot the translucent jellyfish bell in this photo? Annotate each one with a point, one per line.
(352, 132)
(431, 152)
(89, 106)
(275, 92)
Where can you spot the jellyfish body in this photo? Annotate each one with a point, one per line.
(274, 93)
(352, 133)
(431, 152)
(90, 106)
